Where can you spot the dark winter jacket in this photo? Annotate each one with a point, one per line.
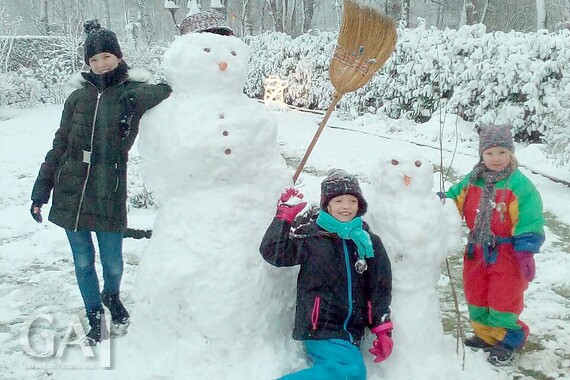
(87, 165)
(333, 300)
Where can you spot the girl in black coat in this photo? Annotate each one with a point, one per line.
(86, 170)
(344, 282)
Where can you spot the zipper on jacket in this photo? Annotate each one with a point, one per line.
(59, 172)
(117, 180)
(89, 163)
(348, 288)
(315, 313)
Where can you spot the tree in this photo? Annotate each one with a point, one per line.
(406, 12)
(276, 13)
(107, 13)
(44, 24)
(470, 7)
(308, 11)
(540, 15)
(484, 13)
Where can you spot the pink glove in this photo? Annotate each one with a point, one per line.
(383, 344)
(525, 259)
(290, 204)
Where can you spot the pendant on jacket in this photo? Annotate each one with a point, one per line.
(360, 266)
(501, 208)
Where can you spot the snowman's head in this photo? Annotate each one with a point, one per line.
(206, 63)
(398, 173)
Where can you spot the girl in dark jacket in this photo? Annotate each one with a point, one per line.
(344, 282)
(86, 169)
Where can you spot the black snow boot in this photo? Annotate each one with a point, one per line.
(501, 355)
(119, 314)
(98, 331)
(476, 343)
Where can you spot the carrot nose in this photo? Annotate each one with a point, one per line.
(223, 66)
(407, 180)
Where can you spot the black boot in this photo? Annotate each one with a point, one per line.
(501, 355)
(119, 314)
(98, 331)
(476, 343)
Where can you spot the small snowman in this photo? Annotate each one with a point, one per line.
(419, 232)
(206, 302)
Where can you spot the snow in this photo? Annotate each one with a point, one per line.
(203, 302)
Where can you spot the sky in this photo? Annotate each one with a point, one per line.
(202, 301)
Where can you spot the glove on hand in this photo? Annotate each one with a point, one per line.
(525, 260)
(36, 211)
(383, 344)
(441, 195)
(289, 205)
(126, 117)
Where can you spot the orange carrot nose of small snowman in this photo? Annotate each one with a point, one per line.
(223, 66)
(407, 180)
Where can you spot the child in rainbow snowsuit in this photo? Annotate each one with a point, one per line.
(503, 211)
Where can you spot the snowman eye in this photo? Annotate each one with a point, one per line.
(418, 163)
(207, 50)
(395, 162)
(234, 53)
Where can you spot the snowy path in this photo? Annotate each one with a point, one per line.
(36, 271)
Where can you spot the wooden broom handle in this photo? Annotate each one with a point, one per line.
(336, 97)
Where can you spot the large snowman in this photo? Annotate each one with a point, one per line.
(419, 232)
(206, 303)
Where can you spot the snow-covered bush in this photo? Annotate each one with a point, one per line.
(484, 77)
(557, 135)
(36, 69)
(303, 62)
(145, 57)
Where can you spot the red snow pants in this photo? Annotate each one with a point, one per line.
(495, 296)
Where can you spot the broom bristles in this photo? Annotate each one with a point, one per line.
(365, 42)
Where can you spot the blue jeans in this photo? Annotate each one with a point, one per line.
(333, 359)
(111, 254)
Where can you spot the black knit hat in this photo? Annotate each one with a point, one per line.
(99, 40)
(339, 182)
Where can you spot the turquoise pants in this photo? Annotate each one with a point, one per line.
(333, 359)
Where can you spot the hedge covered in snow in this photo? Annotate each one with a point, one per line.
(520, 78)
(487, 77)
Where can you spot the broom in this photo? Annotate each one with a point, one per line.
(365, 42)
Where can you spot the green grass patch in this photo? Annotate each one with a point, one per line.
(560, 229)
(533, 374)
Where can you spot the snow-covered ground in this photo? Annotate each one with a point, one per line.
(37, 282)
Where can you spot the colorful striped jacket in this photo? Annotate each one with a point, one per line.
(517, 215)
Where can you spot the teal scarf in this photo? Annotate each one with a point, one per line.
(348, 230)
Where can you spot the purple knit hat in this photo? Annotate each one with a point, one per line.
(492, 135)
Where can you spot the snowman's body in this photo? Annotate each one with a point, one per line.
(419, 232)
(211, 156)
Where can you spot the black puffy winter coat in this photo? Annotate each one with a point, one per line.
(334, 301)
(87, 165)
